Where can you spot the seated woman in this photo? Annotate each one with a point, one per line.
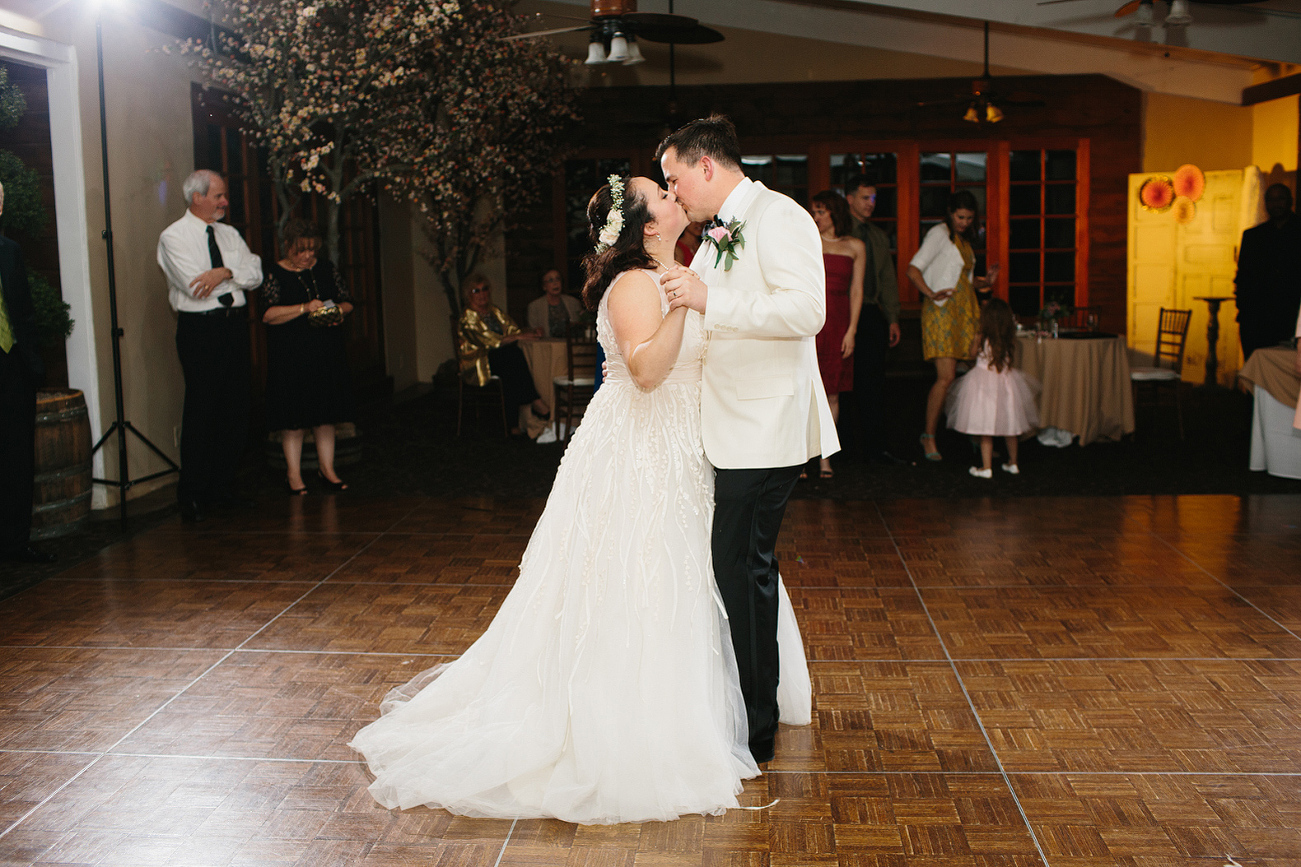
(489, 346)
(552, 314)
(308, 384)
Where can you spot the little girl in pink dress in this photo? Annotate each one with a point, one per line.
(994, 398)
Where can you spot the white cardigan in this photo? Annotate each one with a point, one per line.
(940, 262)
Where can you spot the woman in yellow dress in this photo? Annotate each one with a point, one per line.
(942, 270)
(490, 347)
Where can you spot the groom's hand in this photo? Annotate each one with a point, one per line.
(685, 289)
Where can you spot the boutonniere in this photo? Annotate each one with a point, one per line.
(727, 239)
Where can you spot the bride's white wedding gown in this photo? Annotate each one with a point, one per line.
(605, 689)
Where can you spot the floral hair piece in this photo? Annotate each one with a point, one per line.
(614, 222)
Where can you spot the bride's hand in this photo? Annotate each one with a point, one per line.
(684, 289)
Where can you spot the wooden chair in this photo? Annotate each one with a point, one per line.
(1168, 362)
(575, 389)
(492, 394)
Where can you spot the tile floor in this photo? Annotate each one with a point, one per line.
(1061, 682)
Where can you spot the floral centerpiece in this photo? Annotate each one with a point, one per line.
(1051, 315)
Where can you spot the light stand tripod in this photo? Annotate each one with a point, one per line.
(124, 481)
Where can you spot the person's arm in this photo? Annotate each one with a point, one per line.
(932, 246)
(786, 242)
(246, 269)
(193, 275)
(648, 340)
(855, 296)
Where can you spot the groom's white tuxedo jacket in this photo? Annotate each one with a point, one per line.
(762, 402)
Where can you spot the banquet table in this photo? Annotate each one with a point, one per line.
(1085, 379)
(1275, 442)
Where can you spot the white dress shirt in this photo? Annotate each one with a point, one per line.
(183, 255)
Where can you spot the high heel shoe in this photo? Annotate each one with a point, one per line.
(334, 486)
(929, 448)
(295, 492)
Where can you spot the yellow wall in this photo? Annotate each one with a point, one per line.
(1210, 135)
(1274, 139)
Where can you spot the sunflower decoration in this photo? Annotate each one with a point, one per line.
(1184, 210)
(1157, 193)
(1189, 182)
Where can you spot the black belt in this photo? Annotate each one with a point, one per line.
(223, 312)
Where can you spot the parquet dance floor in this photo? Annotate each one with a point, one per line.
(1061, 682)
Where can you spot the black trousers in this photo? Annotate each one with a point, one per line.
(748, 509)
(17, 450)
(865, 424)
(509, 363)
(214, 352)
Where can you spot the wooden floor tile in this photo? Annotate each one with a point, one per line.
(27, 779)
(86, 699)
(883, 623)
(384, 619)
(276, 705)
(1082, 819)
(987, 517)
(1215, 716)
(437, 558)
(1192, 517)
(1113, 622)
(135, 613)
(1244, 560)
(326, 513)
(160, 554)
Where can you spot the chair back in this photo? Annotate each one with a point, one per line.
(1171, 335)
(580, 351)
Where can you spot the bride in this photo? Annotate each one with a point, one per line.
(605, 689)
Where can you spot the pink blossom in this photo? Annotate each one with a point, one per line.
(719, 234)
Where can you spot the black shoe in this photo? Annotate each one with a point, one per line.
(333, 486)
(884, 457)
(28, 554)
(762, 752)
(192, 512)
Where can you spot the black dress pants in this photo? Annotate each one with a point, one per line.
(867, 423)
(17, 450)
(749, 506)
(508, 362)
(214, 352)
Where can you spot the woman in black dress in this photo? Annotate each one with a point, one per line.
(307, 367)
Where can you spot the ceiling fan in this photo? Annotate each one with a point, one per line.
(981, 107)
(1177, 15)
(616, 25)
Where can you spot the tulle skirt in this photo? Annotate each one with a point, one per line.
(985, 402)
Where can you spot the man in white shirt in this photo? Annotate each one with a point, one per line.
(763, 412)
(209, 269)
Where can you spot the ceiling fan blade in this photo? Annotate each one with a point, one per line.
(540, 33)
(957, 100)
(696, 35)
(1128, 9)
(658, 19)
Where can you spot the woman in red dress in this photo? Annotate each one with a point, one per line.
(845, 259)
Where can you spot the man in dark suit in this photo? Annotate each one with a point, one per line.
(21, 370)
(1269, 275)
(878, 326)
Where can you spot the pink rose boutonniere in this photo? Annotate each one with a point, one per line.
(727, 239)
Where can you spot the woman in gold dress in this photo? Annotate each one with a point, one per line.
(489, 346)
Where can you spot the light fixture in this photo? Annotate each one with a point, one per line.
(1178, 14)
(595, 50)
(992, 114)
(1145, 16)
(618, 47)
(634, 52)
(972, 115)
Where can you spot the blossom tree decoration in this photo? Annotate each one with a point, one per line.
(350, 96)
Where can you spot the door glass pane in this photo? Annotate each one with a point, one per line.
(1024, 234)
(1061, 165)
(1059, 233)
(1059, 199)
(234, 152)
(758, 168)
(934, 201)
(936, 167)
(887, 203)
(791, 171)
(1024, 268)
(1063, 295)
(1025, 200)
(971, 167)
(1025, 165)
(1059, 267)
(882, 168)
(1024, 300)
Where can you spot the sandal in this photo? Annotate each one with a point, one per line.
(931, 453)
(334, 486)
(826, 474)
(295, 492)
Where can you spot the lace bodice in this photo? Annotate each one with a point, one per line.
(686, 370)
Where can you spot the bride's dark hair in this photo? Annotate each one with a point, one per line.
(625, 253)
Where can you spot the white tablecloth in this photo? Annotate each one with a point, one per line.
(1275, 444)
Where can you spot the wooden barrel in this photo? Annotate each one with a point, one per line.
(61, 501)
(347, 447)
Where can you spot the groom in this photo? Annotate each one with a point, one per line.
(760, 284)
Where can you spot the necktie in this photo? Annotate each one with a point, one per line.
(7, 340)
(215, 252)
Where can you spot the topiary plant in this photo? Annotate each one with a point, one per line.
(53, 324)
